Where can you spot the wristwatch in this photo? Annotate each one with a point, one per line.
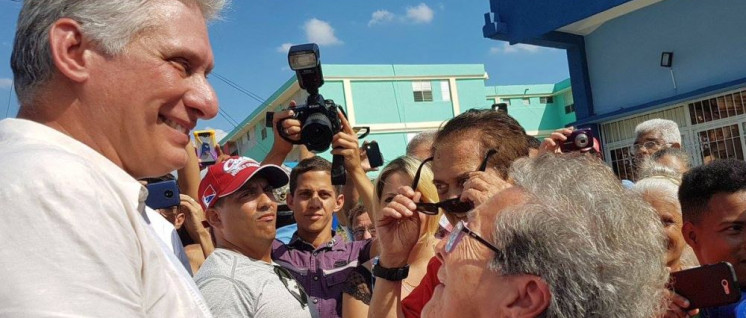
(390, 274)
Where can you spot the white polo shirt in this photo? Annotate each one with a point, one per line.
(73, 238)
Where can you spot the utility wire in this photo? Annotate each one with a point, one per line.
(239, 88)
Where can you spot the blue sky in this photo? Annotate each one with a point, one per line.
(250, 44)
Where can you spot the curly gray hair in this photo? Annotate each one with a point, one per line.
(669, 129)
(111, 24)
(598, 246)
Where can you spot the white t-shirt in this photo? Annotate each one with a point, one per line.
(235, 285)
(74, 241)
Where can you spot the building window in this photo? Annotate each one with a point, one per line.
(569, 108)
(248, 135)
(621, 162)
(423, 91)
(264, 133)
(720, 143)
(715, 108)
(546, 99)
(526, 101)
(445, 90)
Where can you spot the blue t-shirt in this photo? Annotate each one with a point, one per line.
(734, 310)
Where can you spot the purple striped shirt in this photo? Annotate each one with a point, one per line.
(322, 271)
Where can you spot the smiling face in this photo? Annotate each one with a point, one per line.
(467, 286)
(145, 100)
(247, 217)
(314, 203)
(720, 234)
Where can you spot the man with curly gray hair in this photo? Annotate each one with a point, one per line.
(567, 241)
(109, 91)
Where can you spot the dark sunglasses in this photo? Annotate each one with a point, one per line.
(454, 205)
(298, 293)
(458, 234)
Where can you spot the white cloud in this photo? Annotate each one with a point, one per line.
(420, 14)
(284, 48)
(321, 32)
(508, 49)
(381, 16)
(5, 82)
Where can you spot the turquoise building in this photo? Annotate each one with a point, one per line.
(632, 60)
(399, 101)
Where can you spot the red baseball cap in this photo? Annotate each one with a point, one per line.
(226, 177)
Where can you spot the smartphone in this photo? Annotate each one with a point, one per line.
(707, 286)
(205, 144)
(375, 158)
(164, 194)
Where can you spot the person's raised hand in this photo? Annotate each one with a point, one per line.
(677, 305)
(193, 214)
(398, 228)
(364, 162)
(482, 185)
(290, 127)
(552, 143)
(345, 143)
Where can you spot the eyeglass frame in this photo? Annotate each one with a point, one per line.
(636, 147)
(370, 229)
(427, 207)
(457, 235)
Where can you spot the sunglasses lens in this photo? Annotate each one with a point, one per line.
(455, 237)
(427, 208)
(457, 206)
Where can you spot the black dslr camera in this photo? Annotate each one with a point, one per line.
(318, 117)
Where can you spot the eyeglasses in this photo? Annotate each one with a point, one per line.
(286, 278)
(358, 233)
(649, 145)
(458, 234)
(454, 205)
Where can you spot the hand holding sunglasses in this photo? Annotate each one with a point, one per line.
(398, 228)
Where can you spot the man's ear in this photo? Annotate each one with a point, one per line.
(690, 235)
(213, 217)
(70, 49)
(289, 199)
(532, 298)
(676, 145)
(179, 220)
(340, 202)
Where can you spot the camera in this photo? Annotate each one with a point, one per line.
(318, 117)
(580, 139)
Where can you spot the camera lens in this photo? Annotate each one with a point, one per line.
(169, 194)
(582, 141)
(317, 132)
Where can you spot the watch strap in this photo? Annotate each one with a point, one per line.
(390, 274)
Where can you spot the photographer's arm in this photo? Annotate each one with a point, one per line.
(281, 147)
(345, 143)
(188, 181)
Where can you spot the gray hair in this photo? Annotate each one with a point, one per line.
(669, 129)
(652, 169)
(677, 153)
(424, 137)
(597, 245)
(110, 24)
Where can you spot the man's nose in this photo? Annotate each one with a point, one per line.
(201, 98)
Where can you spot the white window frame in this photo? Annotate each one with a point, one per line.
(423, 90)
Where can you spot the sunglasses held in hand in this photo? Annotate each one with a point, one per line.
(454, 205)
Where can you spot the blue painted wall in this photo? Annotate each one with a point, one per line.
(388, 102)
(707, 38)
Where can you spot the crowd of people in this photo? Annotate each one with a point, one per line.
(478, 219)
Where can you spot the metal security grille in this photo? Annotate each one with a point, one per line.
(720, 143)
(719, 107)
(622, 163)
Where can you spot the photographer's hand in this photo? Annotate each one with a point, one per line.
(345, 143)
(552, 143)
(280, 147)
(364, 162)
